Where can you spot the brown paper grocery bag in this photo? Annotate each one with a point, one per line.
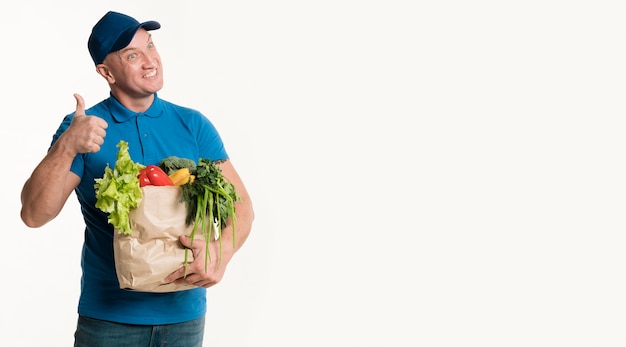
(152, 252)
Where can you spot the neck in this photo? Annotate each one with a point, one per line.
(134, 103)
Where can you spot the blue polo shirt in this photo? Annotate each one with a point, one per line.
(165, 129)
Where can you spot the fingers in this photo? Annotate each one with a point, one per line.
(185, 242)
(180, 273)
(195, 273)
(195, 279)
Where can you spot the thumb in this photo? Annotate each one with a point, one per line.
(80, 105)
(196, 245)
(185, 241)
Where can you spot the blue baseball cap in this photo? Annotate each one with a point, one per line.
(113, 32)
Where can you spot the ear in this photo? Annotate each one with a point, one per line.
(105, 72)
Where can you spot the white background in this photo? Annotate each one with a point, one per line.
(424, 173)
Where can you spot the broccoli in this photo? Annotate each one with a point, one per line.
(173, 163)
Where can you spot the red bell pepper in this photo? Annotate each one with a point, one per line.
(155, 176)
(143, 178)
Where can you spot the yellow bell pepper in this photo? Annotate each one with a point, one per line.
(182, 176)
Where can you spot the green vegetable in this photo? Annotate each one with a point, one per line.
(118, 191)
(172, 164)
(210, 200)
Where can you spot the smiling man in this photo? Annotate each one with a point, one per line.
(125, 55)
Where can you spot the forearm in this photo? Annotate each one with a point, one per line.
(233, 239)
(45, 192)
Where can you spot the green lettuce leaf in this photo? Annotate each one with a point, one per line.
(118, 191)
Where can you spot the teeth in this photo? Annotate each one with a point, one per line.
(150, 74)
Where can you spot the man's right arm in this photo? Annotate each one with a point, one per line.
(44, 194)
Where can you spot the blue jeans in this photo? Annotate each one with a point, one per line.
(97, 333)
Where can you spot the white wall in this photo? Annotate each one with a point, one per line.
(425, 173)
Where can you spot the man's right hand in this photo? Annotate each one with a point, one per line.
(86, 132)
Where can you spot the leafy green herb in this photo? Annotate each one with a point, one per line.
(118, 191)
(210, 200)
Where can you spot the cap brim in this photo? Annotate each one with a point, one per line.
(150, 25)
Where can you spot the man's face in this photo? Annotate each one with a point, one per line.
(136, 70)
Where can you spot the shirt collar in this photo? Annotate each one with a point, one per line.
(121, 114)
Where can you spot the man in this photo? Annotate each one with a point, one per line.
(85, 143)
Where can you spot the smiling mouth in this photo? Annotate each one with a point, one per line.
(150, 74)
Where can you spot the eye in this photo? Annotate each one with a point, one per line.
(132, 56)
(151, 45)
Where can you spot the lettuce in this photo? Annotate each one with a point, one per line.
(118, 191)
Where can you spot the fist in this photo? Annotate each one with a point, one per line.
(88, 132)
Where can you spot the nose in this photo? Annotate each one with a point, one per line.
(150, 61)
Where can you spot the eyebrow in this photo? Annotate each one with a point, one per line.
(122, 51)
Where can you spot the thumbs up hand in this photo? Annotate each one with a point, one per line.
(86, 133)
